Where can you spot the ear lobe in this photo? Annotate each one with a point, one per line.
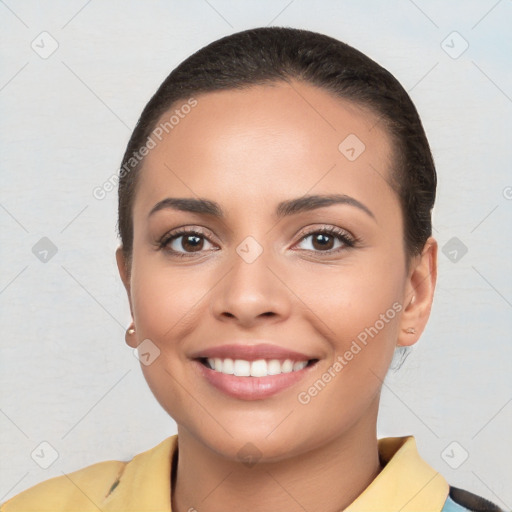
(124, 272)
(130, 338)
(419, 294)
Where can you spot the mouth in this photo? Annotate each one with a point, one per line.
(252, 372)
(255, 368)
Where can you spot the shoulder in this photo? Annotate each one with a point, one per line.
(459, 500)
(79, 490)
(114, 485)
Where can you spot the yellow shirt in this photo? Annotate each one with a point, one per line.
(406, 484)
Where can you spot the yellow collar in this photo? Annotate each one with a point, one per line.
(407, 483)
(144, 483)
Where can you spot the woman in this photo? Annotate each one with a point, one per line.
(275, 207)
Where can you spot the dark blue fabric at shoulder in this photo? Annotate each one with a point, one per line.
(469, 501)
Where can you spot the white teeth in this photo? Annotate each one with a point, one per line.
(287, 366)
(242, 368)
(228, 366)
(298, 366)
(258, 368)
(273, 367)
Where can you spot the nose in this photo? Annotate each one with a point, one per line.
(251, 292)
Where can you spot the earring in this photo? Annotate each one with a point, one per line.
(410, 330)
(128, 336)
(131, 330)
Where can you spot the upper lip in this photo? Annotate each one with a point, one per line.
(251, 352)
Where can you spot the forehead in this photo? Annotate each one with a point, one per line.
(283, 139)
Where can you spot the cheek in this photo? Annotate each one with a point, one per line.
(357, 310)
(355, 296)
(359, 318)
(165, 307)
(165, 299)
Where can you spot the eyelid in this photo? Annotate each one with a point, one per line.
(327, 228)
(184, 230)
(345, 237)
(179, 232)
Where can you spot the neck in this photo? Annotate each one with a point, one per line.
(328, 478)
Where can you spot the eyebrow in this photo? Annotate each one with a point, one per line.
(284, 209)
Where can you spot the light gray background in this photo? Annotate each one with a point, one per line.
(67, 376)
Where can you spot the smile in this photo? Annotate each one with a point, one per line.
(252, 372)
(257, 368)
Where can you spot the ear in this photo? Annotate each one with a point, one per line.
(418, 294)
(124, 272)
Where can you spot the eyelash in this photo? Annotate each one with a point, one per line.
(341, 235)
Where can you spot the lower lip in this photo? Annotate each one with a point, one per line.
(251, 388)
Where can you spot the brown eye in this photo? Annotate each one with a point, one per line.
(328, 240)
(322, 241)
(191, 243)
(183, 243)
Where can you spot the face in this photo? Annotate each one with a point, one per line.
(261, 280)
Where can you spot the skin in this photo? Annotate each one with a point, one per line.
(248, 150)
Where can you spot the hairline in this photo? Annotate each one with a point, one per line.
(394, 167)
